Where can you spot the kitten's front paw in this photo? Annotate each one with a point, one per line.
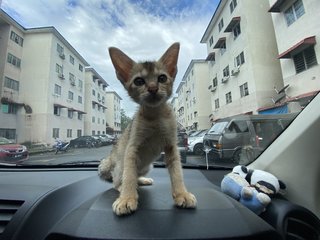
(125, 205)
(185, 200)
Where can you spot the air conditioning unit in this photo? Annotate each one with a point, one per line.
(73, 82)
(225, 79)
(60, 75)
(61, 55)
(214, 89)
(235, 71)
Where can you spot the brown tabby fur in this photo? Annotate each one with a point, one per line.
(152, 130)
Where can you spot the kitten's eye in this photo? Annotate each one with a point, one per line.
(138, 81)
(162, 78)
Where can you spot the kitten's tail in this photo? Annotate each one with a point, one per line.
(105, 168)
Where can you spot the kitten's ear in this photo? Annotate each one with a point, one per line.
(122, 64)
(170, 59)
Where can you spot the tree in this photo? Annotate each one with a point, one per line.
(125, 120)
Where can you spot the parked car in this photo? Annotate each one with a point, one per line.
(12, 153)
(105, 140)
(86, 141)
(195, 144)
(244, 137)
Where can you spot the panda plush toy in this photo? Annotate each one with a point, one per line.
(252, 188)
(262, 181)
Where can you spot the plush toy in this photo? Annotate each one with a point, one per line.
(238, 188)
(263, 181)
(253, 188)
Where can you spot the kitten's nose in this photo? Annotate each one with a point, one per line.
(153, 89)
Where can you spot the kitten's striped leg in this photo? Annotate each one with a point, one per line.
(181, 196)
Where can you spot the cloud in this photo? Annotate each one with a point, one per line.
(143, 29)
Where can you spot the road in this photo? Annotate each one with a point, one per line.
(84, 155)
(73, 155)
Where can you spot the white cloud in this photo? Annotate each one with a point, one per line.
(141, 29)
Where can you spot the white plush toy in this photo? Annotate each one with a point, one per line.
(263, 181)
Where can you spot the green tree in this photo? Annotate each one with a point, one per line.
(125, 120)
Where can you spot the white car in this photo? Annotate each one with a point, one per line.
(195, 144)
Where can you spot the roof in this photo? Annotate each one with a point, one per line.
(115, 93)
(96, 75)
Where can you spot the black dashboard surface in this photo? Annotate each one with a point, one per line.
(76, 204)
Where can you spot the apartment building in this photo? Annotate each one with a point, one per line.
(95, 103)
(113, 112)
(180, 104)
(297, 31)
(242, 57)
(196, 102)
(47, 89)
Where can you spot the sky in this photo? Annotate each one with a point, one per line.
(143, 29)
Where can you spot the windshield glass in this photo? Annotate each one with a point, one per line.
(239, 85)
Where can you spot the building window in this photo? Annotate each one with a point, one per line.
(244, 90)
(215, 82)
(239, 59)
(79, 116)
(80, 68)
(93, 119)
(228, 98)
(69, 133)
(70, 113)
(80, 84)
(56, 110)
(14, 60)
(216, 103)
(233, 5)
(10, 83)
(295, 11)
(79, 132)
(8, 133)
(55, 132)
(71, 59)
(9, 108)
(223, 48)
(70, 95)
(236, 31)
(59, 48)
(72, 79)
(226, 71)
(305, 59)
(59, 68)
(16, 38)
(79, 99)
(220, 25)
(57, 89)
(93, 92)
(211, 41)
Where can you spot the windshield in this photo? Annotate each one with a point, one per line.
(239, 84)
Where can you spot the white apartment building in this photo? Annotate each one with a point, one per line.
(95, 103)
(242, 58)
(42, 79)
(195, 101)
(47, 90)
(113, 112)
(297, 29)
(180, 105)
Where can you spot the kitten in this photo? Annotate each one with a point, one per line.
(152, 130)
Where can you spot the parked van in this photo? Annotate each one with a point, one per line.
(242, 138)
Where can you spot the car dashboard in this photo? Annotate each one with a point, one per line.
(74, 204)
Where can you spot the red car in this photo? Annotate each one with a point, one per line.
(12, 153)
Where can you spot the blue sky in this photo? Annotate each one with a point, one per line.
(143, 29)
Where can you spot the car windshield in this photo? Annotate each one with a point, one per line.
(240, 82)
